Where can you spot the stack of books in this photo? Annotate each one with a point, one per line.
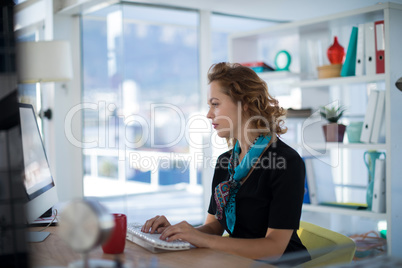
(258, 66)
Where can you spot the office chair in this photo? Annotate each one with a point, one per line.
(326, 247)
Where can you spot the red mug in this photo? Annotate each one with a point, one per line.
(117, 240)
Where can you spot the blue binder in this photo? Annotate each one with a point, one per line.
(306, 198)
(349, 66)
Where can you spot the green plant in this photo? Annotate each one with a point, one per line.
(332, 113)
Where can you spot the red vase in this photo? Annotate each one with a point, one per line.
(336, 52)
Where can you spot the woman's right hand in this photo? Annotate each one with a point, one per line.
(157, 224)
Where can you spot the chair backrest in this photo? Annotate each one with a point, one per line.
(326, 247)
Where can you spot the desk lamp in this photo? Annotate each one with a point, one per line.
(84, 225)
(44, 61)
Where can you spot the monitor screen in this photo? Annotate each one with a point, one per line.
(39, 184)
(38, 178)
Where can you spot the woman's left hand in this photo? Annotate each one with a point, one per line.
(186, 232)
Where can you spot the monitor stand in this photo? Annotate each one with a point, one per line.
(37, 236)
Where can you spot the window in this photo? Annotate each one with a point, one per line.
(141, 86)
(224, 25)
(32, 93)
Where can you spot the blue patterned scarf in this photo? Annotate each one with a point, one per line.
(225, 192)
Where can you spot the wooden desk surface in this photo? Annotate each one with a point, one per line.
(54, 252)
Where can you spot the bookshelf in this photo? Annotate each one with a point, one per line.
(336, 145)
(321, 82)
(340, 81)
(297, 37)
(351, 212)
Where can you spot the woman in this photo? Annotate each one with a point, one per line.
(258, 186)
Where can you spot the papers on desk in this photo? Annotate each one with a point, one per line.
(44, 221)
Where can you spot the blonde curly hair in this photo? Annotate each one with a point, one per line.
(243, 85)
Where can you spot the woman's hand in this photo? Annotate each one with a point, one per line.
(157, 224)
(185, 231)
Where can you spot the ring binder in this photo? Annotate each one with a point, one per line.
(379, 46)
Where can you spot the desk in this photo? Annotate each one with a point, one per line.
(54, 252)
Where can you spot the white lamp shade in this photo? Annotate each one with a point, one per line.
(44, 61)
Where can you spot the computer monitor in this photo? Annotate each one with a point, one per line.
(27, 189)
(39, 184)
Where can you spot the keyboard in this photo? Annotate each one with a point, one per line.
(152, 242)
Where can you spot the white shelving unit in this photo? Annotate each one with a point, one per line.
(352, 212)
(340, 81)
(296, 37)
(336, 145)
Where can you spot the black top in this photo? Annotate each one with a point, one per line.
(271, 197)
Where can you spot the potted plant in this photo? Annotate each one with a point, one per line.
(333, 131)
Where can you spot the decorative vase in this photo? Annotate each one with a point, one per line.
(369, 195)
(336, 52)
(354, 131)
(370, 158)
(334, 132)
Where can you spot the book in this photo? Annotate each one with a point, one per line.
(369, 117)
(258, 66)
(369, 48)
(298, 113)
(378, 204)
(306, 197)
(310, 181)
(378, 123)
(358, 206)
(379, 46)
(349, 65)
(360, 62)
(319, 179)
